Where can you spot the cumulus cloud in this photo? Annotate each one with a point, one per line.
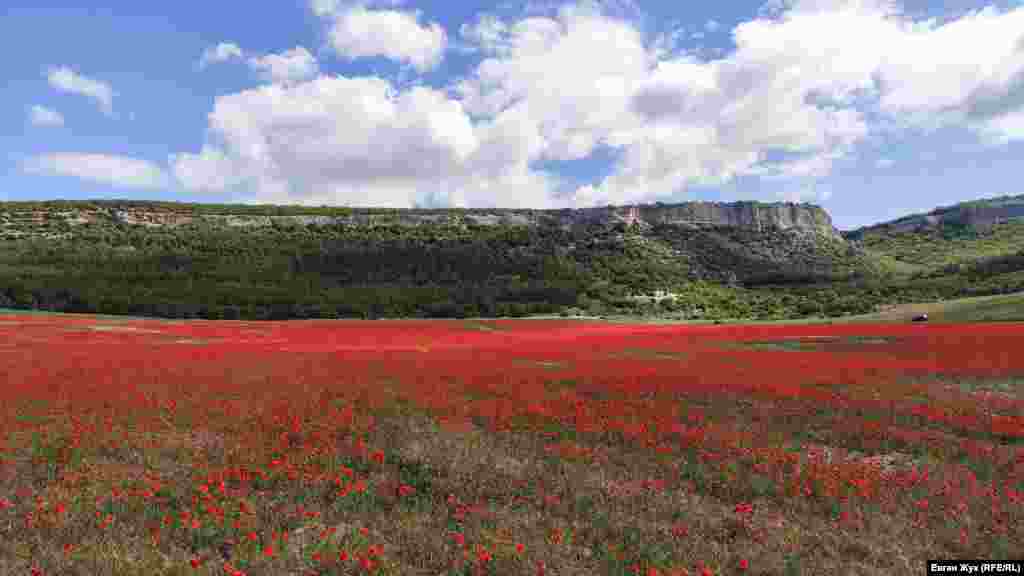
(43, 116)
(571, 78)
(119, 171)
(797, 95)
(397, 35)
(293, 65)
(220, 53)
(329, 7)
(65, 79)
(486, 33)
(356, 139)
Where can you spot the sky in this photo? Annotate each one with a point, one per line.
(873, 109)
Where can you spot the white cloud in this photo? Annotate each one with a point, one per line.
(1001, 130)
(119, 171)
(797, 95)
(711, 25)
(925, 74)
(325, 8)
(488, 33)
(220, 53)
(393, 34)
(291, 66)
(570, 76)
(43, 116)
(67, 80)
(358, 140)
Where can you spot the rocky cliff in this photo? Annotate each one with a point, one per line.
(21, 218)
(746, 215)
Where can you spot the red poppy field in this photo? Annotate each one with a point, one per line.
(506, 447)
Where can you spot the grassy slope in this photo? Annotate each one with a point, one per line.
(1000, 308)
(934, 248)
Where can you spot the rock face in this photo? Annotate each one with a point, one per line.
(747, 215)
(986, 216)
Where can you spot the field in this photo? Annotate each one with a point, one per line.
(999, 308)
(506, 447)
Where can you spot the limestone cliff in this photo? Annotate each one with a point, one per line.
(745, 215)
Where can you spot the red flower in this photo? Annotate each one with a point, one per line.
(744, 564)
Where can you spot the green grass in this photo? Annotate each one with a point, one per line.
(907, 252)
(110, 317)
(1000, 308)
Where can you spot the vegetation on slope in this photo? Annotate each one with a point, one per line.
(370, 271)
(948, 246)
(205, 270)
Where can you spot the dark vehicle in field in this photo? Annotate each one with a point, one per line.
(920, 318)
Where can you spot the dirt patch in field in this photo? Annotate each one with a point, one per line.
(648, 354)
(190, 341)
(481, 326)
(550, 364)
(117, 328)
(814, 343)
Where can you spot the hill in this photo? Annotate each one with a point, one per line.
(698, 260)
(191, 260)
(949, 238)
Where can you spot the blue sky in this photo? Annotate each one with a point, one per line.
(871, 109)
